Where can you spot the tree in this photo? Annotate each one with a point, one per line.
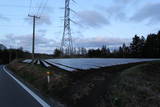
(57, 53)
(158, 43)
(94, 53)
(120, 52)
(137, 46)
(74, 51)
(83, 51)
(126, 50)
(2, 47)
(151, 46)
(103, 51)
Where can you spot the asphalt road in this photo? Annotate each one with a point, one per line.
(12, 94)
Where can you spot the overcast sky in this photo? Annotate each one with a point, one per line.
(99, 22)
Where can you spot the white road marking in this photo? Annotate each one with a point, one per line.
(36, 97)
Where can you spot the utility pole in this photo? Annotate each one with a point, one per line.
(33, 39)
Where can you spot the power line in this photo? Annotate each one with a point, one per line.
(17, 6)
(39, 9)
(40, 6)
(11, 25)
(30, 5)
(12, 15)
(43, 8)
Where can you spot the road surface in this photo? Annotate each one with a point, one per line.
(12, 94)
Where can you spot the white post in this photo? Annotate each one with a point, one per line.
(48, 78)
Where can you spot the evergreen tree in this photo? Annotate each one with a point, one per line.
(137, 46)
(57, 53)
(149, 48)
(103, 51)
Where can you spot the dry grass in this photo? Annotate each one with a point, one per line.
(36, 76)
(138, 86)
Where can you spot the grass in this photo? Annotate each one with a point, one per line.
(36, 76)
(138, 86)
(41, 68)
(128, 85)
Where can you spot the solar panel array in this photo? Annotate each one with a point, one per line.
(92, 63)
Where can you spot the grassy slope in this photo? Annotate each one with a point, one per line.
(36, 76)
(138, 86)
(112, 86)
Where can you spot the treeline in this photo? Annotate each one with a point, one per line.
(7, 55)
(140, 47)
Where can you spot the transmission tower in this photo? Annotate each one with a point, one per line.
(66, 43)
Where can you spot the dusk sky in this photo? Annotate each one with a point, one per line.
(99, 22)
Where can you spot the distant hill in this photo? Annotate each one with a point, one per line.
(2, 47)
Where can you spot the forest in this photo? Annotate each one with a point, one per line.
(140, 47)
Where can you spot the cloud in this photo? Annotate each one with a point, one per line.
(98, 41)
(119, 10)
(124, 1)
(92, 18)
(42, 44)
(45, 20)
(4, 18)
(116, 12)
(149, 12)
(41, 21)
(48, 9)
(127, 2)
(42, 31)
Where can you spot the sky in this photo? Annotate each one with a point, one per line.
(98, 22)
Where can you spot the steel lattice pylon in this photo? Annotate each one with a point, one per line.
(66, 43)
